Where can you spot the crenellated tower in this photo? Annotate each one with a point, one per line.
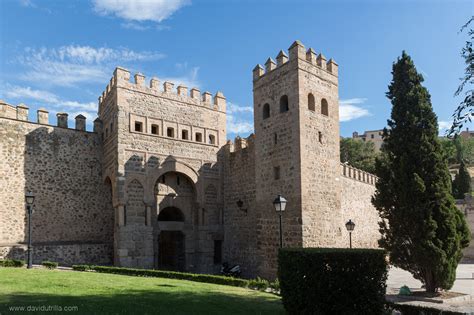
(161, 153)
(296, 118)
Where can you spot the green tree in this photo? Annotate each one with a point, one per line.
(465, 110)
(450, 150)
(462, 182)
(420, 226)
(359, 154)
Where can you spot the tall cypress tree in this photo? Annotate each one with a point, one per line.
(462, 182)
(421, 227)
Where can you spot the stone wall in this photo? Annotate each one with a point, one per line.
(358, 187)
(240, 238)
(62, 167)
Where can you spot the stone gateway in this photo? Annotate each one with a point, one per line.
(156, 184)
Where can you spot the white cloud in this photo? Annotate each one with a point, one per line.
(234, 108)
(135, 26)
(88, 109)
(17, 92)
(27, 3)
(139, 10)
(189, 79)
(238, 126)
(348, 111)
(443, 125)
(73, 64)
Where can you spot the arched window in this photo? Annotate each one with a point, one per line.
(170, 132)
(311, 102)
(284, 107)
(212, 139)
(324, 107)
(170, 214)
(266, 111)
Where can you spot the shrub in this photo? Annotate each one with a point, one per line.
(258, 284)
(81, 267)
(275, 285)
(50, 264)
(332, 280)
(236, 282)
(12, 263)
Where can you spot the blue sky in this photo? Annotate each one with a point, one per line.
(61, 54)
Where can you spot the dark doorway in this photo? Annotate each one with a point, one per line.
(171, 251)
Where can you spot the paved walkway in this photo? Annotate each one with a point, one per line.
(464, 279)
(464, 284)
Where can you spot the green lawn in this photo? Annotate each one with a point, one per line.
(98, 293)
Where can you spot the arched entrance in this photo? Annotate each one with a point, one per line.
(171, 241)
(175, 197)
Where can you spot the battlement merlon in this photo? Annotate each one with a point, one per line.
(298, 52)
(21, 111)
(357, 174)
(121, 79)
(240, 144)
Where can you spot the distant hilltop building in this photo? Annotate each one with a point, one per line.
(466, 134)
(374, 136)
(156, 183)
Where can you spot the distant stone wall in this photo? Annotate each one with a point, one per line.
(358, 187)
(64, 254)
(62, 167)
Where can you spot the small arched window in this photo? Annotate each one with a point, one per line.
(324, 107)
(266, 111)
(170, 132)
(212, 139)
(284, 107)
(311, 102)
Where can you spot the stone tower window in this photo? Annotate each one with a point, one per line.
(138, 126)
(170, 132)
(320, 137)
(198, 137)
(154, 129)
(212, 139)
(324, 107)
(184, 135)
(275, 138)
(284, 107)
(266, 111)
(311, 102)
(276, 172)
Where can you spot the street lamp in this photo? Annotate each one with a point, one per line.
(280, 204)
(350, 227)
(30, 199)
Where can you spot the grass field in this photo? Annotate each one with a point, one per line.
(96, 293)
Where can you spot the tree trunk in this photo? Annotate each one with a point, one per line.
(430, 283)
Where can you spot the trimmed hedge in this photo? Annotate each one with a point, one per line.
(81, 267)
(332, 280)
(408, 309)
(50, 264)
(257, 284)
(12, 263)
(236, 282)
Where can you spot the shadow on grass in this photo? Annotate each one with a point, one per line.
(140, 302)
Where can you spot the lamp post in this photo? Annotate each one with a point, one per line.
(280, 204)
(350, 227)
(30, 199)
